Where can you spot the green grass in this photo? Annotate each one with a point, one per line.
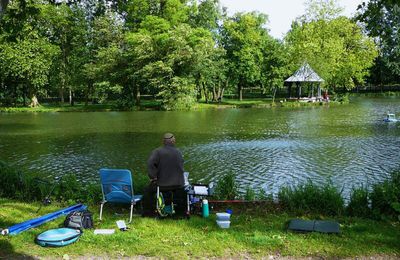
(53, 107)
(156, 105)
(234, 103)
(251, 236)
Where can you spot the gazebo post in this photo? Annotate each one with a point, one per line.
(312, 90)
(289, 90)
(298, 89)
(319, 91)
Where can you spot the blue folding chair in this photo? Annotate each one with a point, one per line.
(117, 187)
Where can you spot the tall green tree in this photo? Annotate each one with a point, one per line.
(28, 63)
(58, 24)
(104, 53)
(26, 54)
(173, 11)
(381, 19)
(3, 5)
(242, 38)
(206, 14)
(275, 66)
(335, 47)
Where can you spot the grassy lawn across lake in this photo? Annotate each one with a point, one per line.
(156, 105)
(255, 235)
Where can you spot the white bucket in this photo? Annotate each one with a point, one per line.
(223, 216)
(223, 224)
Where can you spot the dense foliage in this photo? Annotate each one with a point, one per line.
(175, 51)
(381, 20)
(333, 45)
(381, 201)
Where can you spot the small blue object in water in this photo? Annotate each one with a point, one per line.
(58, 237)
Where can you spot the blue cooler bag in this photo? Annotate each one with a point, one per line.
(58, 237)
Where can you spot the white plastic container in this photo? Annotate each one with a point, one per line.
(223, 216)
(223, 224)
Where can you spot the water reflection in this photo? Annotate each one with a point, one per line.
(266, 148)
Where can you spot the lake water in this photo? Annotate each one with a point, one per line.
(349, 145)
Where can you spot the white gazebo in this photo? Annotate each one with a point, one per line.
(305, 74)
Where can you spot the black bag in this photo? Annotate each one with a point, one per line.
(79, 220)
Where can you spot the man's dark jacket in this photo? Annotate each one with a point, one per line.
(166, 164)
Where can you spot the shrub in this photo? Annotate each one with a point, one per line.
(179, 94)
(16, 185)
(29, 187)
(385, 197)
(308, 198)
(227, 188)
(359, 205)
(250, 194)
(262, 195)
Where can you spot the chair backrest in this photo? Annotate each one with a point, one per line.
(116, 185)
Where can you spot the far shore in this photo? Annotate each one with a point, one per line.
(156, 106)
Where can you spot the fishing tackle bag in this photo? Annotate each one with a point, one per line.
(79, 220)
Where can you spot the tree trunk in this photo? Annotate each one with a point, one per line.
(137, 96)
(205, 92)
(24, 95)
(34, 101)
(63, 69)
(71, 101)
(198, 95)
(214, 98)
(219, 98)
(222, 95)
(240, 92)
(15, 95)
(62, 93)
(88, 90)
(273, 95)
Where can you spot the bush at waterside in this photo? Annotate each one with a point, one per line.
(359, 203)
(385, 197)
(30, 187)
(382, 202)
(311, 199)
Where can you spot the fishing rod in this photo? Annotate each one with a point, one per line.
(18, 228)
(47, 201)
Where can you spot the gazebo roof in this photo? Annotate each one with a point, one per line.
(305, 74)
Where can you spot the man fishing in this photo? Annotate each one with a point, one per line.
(165, 169)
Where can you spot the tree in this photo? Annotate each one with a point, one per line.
(321, 10)
(381, 19)
(26, 56)
(3, 5)
(242, 39)
(336, 48)
(173, 11)
(275, 65)
(28, 61)
(57, 23)
(206, 14)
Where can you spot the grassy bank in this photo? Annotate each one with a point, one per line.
(254, 234)
(156, 105)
